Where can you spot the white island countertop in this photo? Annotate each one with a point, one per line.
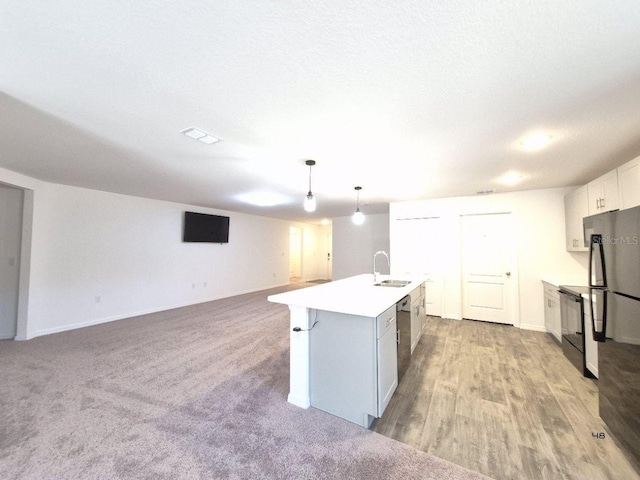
(353, 296)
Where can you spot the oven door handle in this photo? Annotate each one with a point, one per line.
(570, 296)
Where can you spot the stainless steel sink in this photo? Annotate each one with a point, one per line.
(392, 283)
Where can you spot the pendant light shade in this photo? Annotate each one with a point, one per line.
(310, 202)
(358, 216)
(310, 199)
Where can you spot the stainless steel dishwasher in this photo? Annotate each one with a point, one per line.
(403, 317)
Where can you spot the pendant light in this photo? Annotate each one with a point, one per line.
(358, 216)
(310, 200)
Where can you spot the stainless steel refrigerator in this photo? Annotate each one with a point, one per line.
(614, 278)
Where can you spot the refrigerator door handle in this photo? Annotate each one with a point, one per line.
(598, 335)
(597, 262)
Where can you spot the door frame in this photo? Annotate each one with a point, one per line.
(514, 288)
(329, 240)
(300, 233)
(24, 277)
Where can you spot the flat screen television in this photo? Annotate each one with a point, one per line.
(202, 227)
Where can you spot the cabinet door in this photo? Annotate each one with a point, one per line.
(629, 184)
(433, 296)
(423, 308)
(581, 211)
(548, 314)
(603, 193)
(387, 368)
(595, 192)
(416, 325)
(576, 207)
(555, 321)
(609, 192)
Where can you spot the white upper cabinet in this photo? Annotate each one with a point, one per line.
(576, 207)
(629, 184)
(603, 193)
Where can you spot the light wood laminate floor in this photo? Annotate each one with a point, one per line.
(504, 402)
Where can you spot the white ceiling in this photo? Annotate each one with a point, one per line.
(410, 99)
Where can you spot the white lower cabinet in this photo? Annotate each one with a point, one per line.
(387, 365)
(423, 306)
(416, 318)
(353, 370)
(552, 320)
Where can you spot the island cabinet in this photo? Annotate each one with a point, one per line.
(353, 364)
(343, 348)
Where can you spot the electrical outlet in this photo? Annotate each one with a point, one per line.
(193, 285)
(98, 299)
(204, 284)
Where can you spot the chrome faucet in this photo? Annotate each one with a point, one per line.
(375, 272)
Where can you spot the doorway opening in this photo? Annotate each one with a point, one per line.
(11, 214)
(329, 269)
(295, 254)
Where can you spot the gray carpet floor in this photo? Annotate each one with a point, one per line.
(192, 393)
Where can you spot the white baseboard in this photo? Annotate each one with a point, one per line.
(535, 328)
(98, 321)
(298, 401)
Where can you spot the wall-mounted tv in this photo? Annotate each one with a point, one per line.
(201, 227)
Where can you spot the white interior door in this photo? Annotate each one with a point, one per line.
(488, 261)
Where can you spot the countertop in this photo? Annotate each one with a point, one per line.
(557, 280)
(353, 296)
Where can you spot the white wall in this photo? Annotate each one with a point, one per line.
(10, 238)
(354, 245)
(128, 251)
(540, 230)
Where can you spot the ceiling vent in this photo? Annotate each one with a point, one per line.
(485, 192)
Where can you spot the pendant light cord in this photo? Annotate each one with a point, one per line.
(309, 179)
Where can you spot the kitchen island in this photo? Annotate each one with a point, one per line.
(343, 343)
